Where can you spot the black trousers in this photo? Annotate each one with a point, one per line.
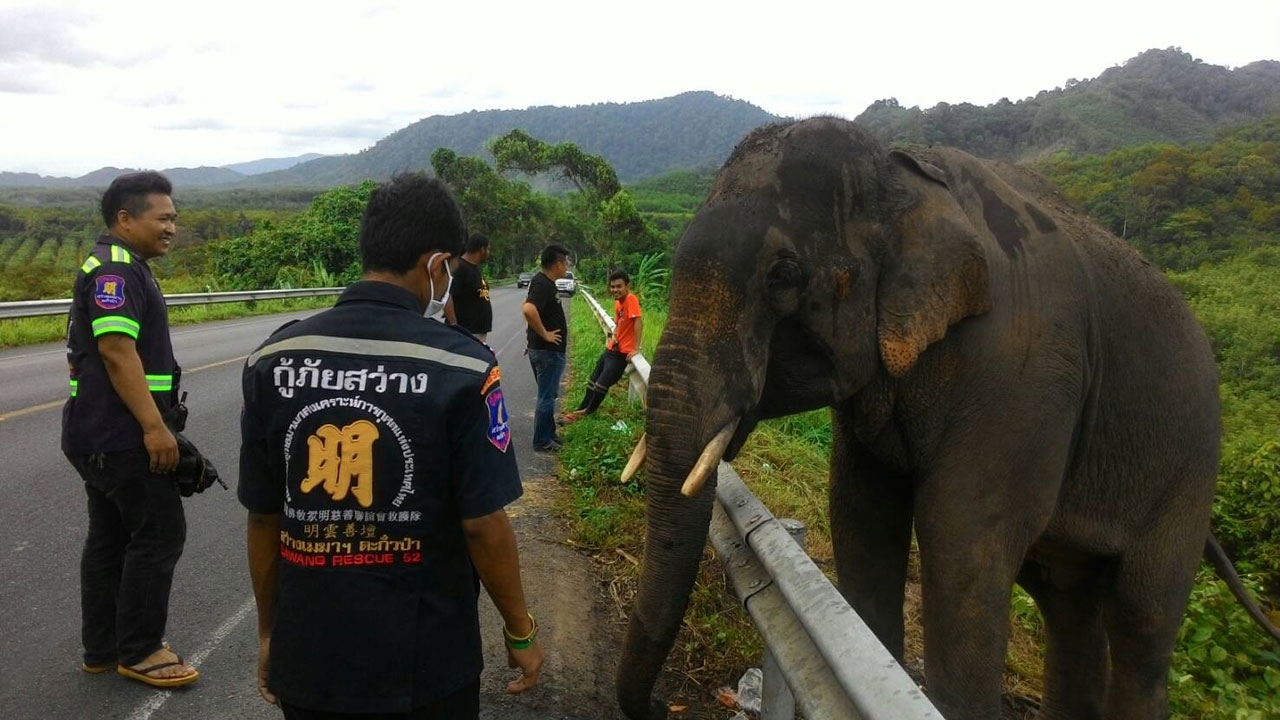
(136, 532)
(463, 704)
(608, 371)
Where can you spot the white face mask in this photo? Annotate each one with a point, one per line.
(435, 308)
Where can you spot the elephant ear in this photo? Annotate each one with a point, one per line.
(934, 273)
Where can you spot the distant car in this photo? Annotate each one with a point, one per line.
(567, 285)
(523, 279)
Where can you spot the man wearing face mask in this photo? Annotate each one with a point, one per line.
(376, 463)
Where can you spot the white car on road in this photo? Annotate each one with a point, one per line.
(567, 285)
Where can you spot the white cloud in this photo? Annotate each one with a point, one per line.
(198, 83)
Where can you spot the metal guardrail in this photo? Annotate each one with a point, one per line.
(832, 663)
(39, 308)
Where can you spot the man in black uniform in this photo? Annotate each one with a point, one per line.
(123, 378)
(470, 297)
(376, 464)
(547, 335)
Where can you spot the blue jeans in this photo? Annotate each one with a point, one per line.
(548, 366)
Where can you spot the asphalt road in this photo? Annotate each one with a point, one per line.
(212, 616)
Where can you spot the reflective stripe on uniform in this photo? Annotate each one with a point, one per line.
(90, 265)
(371, 348)
(119, 254)
(155, 383)
(160, 383)
(116, 323)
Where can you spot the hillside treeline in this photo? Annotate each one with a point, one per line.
(1160, 96)
(598, 220)
(1183, 205)
(641, 139)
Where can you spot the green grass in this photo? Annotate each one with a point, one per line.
(30, 331)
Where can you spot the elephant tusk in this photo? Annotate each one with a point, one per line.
(635, 461)
(707, 462)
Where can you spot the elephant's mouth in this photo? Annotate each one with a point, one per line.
(745, 427)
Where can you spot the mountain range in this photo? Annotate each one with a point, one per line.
(204, 176)
(1158, 96)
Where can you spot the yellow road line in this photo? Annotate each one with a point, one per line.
(32, 409)
(220, 363)
(59, 403)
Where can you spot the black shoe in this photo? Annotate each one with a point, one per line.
(552, 446)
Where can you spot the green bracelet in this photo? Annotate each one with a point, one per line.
(521, 643)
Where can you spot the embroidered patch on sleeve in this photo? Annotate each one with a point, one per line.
(494, 376)
(499, 428)
(108, 292)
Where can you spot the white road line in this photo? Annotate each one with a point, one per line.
(507, 344)
(59, 351)
(159, 697)
(59, 403)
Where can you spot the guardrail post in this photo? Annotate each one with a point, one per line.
(776, 700)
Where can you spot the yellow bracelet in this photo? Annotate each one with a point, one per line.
(520, 643)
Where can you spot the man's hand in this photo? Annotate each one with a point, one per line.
(552, 337)
(632, 354)
(529, 660)
(162, 446)
(264, 655)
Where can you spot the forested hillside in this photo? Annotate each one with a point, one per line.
(1183, 205)
(1159, 96)
(689, 130)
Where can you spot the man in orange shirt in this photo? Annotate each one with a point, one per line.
(618, 350)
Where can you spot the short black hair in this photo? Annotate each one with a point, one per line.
(552, 253)
(407, 217)
(129, 193)
(620, 275)
(477, 242)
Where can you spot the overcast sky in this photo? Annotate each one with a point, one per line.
(181, 84)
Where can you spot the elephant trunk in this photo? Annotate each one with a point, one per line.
(684, 417)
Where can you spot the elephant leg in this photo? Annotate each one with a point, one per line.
(1075, 666)
(966, 622)
(989, 493)
(870, 509)
(1151, 585)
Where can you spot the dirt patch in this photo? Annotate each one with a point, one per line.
(579, 622)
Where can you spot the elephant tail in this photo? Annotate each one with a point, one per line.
(1217, 557)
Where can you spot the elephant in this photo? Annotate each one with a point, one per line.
(1007, 380)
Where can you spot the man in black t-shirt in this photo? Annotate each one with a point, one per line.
(547, 336)
(376, 466)
(472, 310)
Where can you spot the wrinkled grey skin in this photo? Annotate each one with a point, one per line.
(1007, 379)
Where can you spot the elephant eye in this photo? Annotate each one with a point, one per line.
(786, 274)
(784, 284)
